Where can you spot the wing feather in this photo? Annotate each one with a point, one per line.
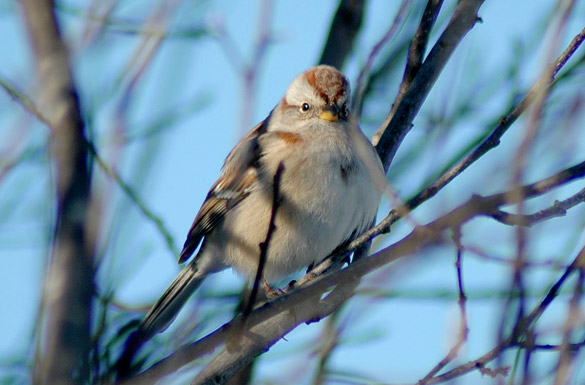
(238, 173)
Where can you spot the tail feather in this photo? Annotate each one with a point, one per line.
(168, 305)
(160, 315)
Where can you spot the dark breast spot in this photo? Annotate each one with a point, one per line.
(347, 170)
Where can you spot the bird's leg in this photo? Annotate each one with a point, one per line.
(270, 292)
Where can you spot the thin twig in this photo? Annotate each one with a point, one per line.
(558, 209)
(248, 69)
(30, 106)
(127, 26)
(417, 48)
(329, 341)
(265, 245)
(360, 89)
(567, 357)
(133, 196)
(515, 338)
(550, 263)
(395, 127)
(270, 322)
(540, 93)
(24, 100)
(463, 328)
(491, 142)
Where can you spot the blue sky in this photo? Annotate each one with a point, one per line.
(412, 334)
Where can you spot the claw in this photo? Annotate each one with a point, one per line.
(270, 292)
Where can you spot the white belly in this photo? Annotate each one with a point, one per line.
(321, 208)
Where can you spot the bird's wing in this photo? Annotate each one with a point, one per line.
(238, 173)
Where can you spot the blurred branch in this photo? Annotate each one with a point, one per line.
(443, 294)
(571, 347)
(248, 69)
(269, 323)
(67, 294)
(515, 339)
(364, 74)
(491, 142)
(398, 122)
(133, 196)
(29, 105)
(24, 100)
(329, 341)
(226, 364)
(378, 75)
(463, 331)
(540, 93)
(143, 55)
(344, 28)
(574, 321)
(515, 307)
(169, 119)
(114, 24)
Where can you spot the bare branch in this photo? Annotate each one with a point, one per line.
(393, 130)
(330, 340)
(266, 244)
(571, 347)
(515, 338)
(417, 49)
(573, 321)
(360, 90)
(540, 93)
(328, 286)
(249, 70)
(67, 298)
(463, 329)
(491, 142)
(270, 322)
(132, 195)
(558, 209)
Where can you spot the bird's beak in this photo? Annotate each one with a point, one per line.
(330, 113)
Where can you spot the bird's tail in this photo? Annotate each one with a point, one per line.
(162, 313)
(168, 305)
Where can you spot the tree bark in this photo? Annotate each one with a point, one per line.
(67, 295)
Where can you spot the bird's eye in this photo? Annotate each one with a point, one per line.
(344, 112)
(305, 107)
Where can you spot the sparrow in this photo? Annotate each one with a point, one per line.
(329, 192)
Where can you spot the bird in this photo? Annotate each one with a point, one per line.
(329, 192)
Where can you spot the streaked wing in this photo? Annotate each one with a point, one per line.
(238, 173)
